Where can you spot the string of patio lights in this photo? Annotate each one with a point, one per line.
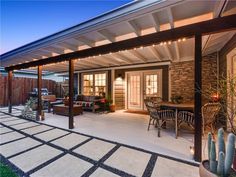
(110, 53)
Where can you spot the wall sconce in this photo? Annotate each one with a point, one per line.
(192, 152)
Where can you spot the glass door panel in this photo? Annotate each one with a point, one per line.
(135, 91)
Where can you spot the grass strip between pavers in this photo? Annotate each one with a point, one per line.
(6, 171)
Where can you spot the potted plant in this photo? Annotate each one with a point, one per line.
(221, 167)
(66, 99)
(177, 99)
(224, 94)
(112, 107)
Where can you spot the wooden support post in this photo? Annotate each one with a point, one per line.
(39, 113)
(71, 94)
(9, 91)
(198, 98)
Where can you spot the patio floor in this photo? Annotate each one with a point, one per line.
(37, 149)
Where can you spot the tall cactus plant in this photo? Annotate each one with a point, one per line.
(225, 159)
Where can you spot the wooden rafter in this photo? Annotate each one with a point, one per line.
(138, 55)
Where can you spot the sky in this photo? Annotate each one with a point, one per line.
(23, 22)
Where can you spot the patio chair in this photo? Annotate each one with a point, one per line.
(186, 117)
(158, 117)
(209, 113)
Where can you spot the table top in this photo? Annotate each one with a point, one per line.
(189, 106)
(62, 105)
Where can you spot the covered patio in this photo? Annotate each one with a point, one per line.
(168, 41)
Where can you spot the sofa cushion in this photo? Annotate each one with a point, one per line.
(85, 104)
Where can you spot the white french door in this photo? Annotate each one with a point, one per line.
(141, 85)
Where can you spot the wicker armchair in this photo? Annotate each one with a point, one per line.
(158, 117)
(209, 113)
(186, 117)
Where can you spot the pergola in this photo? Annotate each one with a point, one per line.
(196, 30)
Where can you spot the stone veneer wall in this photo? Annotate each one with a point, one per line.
(182, 77)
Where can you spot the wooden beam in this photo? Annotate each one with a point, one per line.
(219, 8)
(110, 60)
(171, 18)
(167, 51)
(122, 57)
(138, 55)
(39, 85)
(135, 27)
(71, 94)
(156, 22)
(206, 27)
(86, 41)
(107, 35)
(176, 46)
(155, 53)
(10, 91)
(198, 98)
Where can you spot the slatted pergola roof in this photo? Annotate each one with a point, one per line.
(133, 20)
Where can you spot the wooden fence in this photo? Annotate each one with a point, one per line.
(21, 88)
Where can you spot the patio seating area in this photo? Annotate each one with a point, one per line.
(49, 148)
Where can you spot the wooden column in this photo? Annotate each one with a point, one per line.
(71, 94)
(39, 83)
(10, 91)
(198, 98)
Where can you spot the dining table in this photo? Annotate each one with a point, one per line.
(177, 107)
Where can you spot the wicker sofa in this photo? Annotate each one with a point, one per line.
(89, 102)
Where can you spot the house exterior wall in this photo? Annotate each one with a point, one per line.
(181, 80)
(182, 77)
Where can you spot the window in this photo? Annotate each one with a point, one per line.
(95, 84)
(100, 84)
(88, 84)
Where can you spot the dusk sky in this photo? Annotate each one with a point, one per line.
(26, 21)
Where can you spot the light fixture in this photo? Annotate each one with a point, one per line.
(184, 39)
(192, 152)
(169, 42)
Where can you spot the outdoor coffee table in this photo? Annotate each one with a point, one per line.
(176, 107)
(64, 110)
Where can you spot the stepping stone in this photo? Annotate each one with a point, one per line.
(6, 119)
(129, 160)
(25, 125)
(37, 129)
(51, 134)
(35, 157)
(103, 173)
(9, 123)
(70, 140)
(18, 146)
(5, 130)
(95, 149)
(10, 137)
(67, 165)
(167, 167)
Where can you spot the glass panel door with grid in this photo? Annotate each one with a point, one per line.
(134, 95)
(142, 85)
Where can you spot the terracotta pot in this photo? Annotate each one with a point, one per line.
(203, 171)
(66, 102)
(112, 108)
